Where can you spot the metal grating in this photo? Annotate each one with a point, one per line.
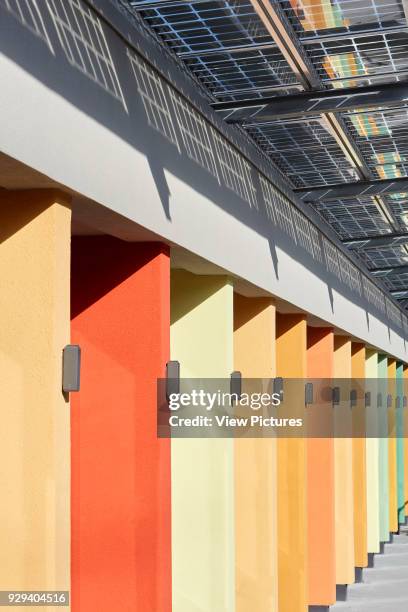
(310, 18)
(382, 137)
(354, 217)
(390, 256)
(305, 151)
(358, 60)
(225, 45)
(396, 282)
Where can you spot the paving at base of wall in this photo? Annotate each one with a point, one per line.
(384, 586)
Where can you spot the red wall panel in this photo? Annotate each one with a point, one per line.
(121, 523)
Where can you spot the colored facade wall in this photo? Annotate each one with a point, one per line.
(343, 469)
(321, 480)
(256, 532)
(405, 412)
(400, 444)
(392, 447)
(359, 466)
(202, 469)
(292, 476)
(35, 229)
(384, 490)
(372, 458)
(120, 470)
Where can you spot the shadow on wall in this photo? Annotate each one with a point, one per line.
(66, 46)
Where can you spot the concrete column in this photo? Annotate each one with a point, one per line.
(292, 476)
(359, 465)
(320, 481)
(255, 466)
(372, 460)
(202, 469)
(35, 231)
(384, 490)
(343, 467)
(121, 557)
(392, 447)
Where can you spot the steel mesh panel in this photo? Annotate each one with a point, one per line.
(312, 17)
(395, 282)
(381, 257)
(224, 44)
(360, 60)
(354, 217)
(305, 150)
(382, 138)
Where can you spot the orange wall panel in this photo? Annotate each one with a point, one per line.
(292, 476)
(343, 460)
(255, 466)
(121, 557)
(359, 468)
(320, 482)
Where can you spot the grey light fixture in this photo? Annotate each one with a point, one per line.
(236, 384)
(308, 393)
(278, 387)
(172, 378)
(71, 368)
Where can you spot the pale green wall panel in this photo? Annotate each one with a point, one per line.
(383, 451)
(372, 459)
(400, 445)
(202, 470)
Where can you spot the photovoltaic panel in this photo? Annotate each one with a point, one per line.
(354, 217)
(349, 43)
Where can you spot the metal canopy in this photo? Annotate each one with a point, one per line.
(372, 242)
(390, 270)
(321, 86)
(353, 190)
(312, 104)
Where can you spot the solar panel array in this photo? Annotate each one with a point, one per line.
(348, 43)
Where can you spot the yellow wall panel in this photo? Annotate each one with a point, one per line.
(255, 467)
(359, 468)
(203, 556)
(372, 462)
(291, 342)
(35, 233)
(343, 468)
(384, 488)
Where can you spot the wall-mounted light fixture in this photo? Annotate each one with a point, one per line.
(71, 368)
(308, 393)
(278, 387)
(236, 384)
(172, 378)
